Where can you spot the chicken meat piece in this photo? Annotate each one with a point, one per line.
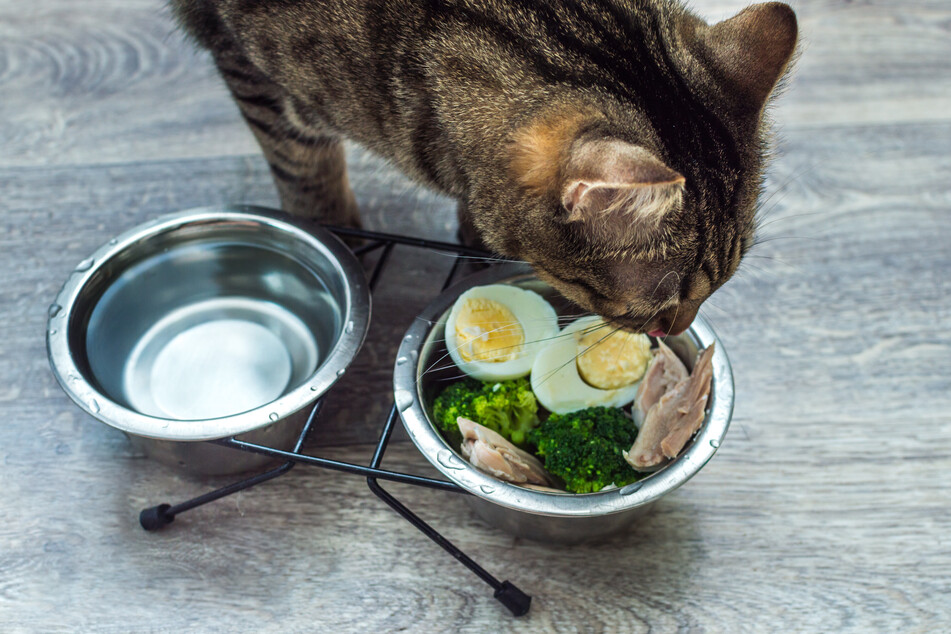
(674, 418)
(666, 370)
(489, 452)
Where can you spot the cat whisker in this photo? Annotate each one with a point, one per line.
(760, 226)
(746, 264)
(575, 358)
(454, 377)
(564, 318)
(762, 241)
(774, 258)
(557, 336)
(715, 305)
(487, 259)
(712, 322)
(761, 211)
(443, 357)
(672, 321)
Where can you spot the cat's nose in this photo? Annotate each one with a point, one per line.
(676, 320)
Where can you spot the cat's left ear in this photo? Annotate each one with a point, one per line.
(751, 51)
(606, 185)
(609, 177)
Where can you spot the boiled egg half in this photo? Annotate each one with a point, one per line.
(494, 332)
(588, 364)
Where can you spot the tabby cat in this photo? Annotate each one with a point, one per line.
(616, 145)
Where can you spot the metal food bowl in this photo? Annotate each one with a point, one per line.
(529, 513)
(207, 324)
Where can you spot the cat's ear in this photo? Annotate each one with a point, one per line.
(610, 177)
(612, 186)
(751, 50)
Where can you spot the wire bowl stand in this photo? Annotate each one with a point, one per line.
(159, 516)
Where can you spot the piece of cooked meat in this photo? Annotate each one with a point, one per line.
(666, 370)
(673, 419)
(488, 451)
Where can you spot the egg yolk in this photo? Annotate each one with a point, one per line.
(487, 331)
(609, 362)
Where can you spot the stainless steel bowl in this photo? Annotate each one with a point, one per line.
(207, 324)
(552, 517)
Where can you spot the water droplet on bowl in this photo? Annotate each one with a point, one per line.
(449, 460)
(487, 489)
(85, 265)
(273, 416)
(631, 488)
(114, 241)
(403, 398)
(54, 310)
(313, 388)
(94, 406)
(348, 329)
(408, 338)
(52, 331)
(715, 443)
(341, 372)
(401, 361)
(413, 355)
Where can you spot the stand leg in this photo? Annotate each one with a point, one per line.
(156, 517)
(517, 602)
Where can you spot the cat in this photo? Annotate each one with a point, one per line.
(617, 146)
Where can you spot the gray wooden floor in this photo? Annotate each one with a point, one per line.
(828, 507)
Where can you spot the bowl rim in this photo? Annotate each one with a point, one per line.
(408, 398)
(355, 323)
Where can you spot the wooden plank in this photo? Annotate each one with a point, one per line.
(732, 549)
(117, 82)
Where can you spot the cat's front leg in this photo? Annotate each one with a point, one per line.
(308, 164)
(311, 179)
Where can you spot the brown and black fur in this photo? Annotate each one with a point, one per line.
(617, 145)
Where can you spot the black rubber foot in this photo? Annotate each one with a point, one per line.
(514, 599)
(156, 517)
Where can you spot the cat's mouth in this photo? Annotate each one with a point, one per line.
(669, 322)
(629, 324)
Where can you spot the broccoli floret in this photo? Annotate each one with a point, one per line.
(508, 407)
(584, 448)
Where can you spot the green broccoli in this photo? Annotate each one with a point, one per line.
(508, 407)
(584, 448)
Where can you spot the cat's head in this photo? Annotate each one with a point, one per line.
(638, 204)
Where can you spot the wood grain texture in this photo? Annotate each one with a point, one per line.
(826, 509)
(117, 82)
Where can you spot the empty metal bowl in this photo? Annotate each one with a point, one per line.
(207, 324)
(423, 369)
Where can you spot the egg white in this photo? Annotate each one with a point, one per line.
(555, 379)
(536, 316)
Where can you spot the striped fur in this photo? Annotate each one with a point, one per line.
(486, 101)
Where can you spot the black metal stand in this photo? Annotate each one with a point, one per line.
(156, 517)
